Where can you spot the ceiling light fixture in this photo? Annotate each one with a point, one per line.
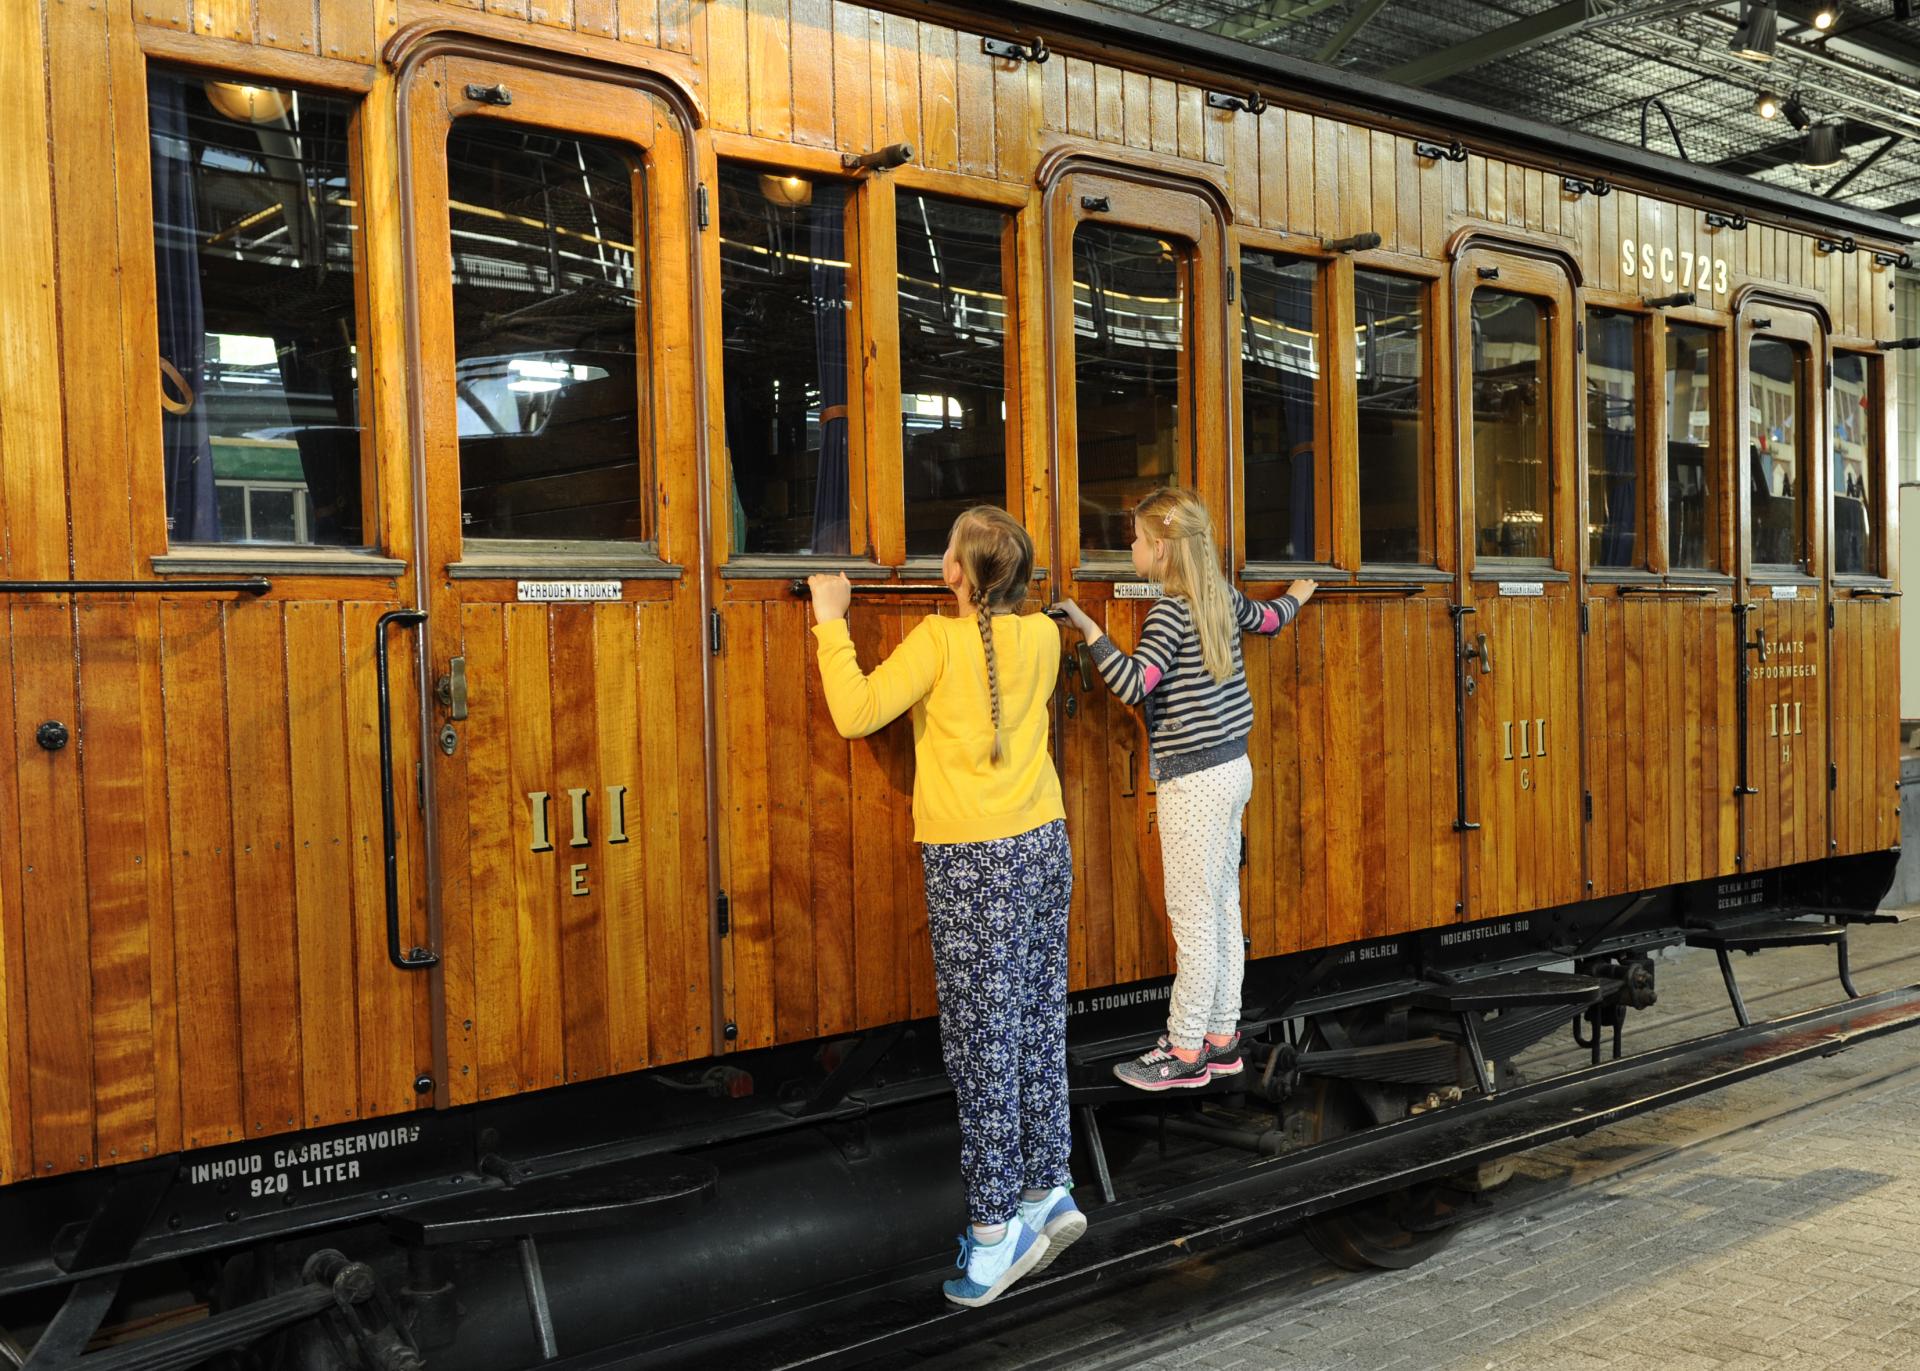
(1755, 37)
(1767, 105)
(1821, 148)
(1826, 16)
(1796, 112)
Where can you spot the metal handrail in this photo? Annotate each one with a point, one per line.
(251, 585)
(419, 958)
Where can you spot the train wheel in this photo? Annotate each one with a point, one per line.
(1395, 1230)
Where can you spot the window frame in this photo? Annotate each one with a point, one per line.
(376, 529)
(1878, 571)
(1802, 330)
(1440, 529)
(1647, 408)
(1721, 515)
(1332, 429)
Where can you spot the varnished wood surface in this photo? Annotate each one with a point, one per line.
(191, 922)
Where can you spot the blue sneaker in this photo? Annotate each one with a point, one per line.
(987, 1271)
(1055, 1217)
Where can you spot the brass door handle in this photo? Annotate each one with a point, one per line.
(451, 690)
(1083, 663)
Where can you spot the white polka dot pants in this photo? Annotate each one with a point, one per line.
(1200, 854)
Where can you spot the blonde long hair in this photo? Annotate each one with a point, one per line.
(1192, 572)
(996, 556)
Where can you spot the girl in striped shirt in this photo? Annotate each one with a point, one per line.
(1187, 671)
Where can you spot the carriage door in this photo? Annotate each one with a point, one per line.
(1137, 367)
(1520, 633)
(1782, 541)
(560, 542)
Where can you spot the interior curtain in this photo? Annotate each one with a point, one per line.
(828, 247)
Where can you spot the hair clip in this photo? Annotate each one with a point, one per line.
(1167, 518)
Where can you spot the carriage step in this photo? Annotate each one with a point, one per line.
(648, 1190)
(1512, 990)
(1765, 933)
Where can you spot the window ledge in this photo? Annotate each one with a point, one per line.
(1411, 571)
(263, 561)
(1781, 576)
(762, 568)
(1544, 574)
(563, 569)
(1263, 573)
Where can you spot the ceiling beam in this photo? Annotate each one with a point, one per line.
(1257, 21)
(1518, 36)
(1362, 16)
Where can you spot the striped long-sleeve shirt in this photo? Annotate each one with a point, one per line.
(1193, 721)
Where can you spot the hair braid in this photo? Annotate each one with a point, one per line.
(985, 620)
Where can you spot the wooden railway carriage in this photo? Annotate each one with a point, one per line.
(415, 416)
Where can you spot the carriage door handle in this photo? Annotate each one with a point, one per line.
(1483, 649)
(1083, 664)
(1759, 643)
(451, 690)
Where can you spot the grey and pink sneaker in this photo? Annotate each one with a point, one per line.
(1224, 1059)
(1159, 1069)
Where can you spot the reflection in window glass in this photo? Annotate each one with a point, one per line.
(547, 373)
(1613, 463)
(1129, 326)
(785, 307)
(953, 361)
(1280, 357)
(255, 228)
(1391, 417)
(1512, 432)
(1856, 545)
(1776, 463)
(1690, 483)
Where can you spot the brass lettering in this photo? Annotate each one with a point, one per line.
(616, 814)
(579, 797)
(1539, 737)
(538, 800)
(577, 879)
(1506, 726)
(1773, 721)
(1525, 751)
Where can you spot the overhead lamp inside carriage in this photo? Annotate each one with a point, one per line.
(248, 104)
(789, 191)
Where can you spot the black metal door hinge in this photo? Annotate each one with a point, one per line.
(1579, 337)
(701, 201)
(716, 632)
(1585, 619)
(1243, 849)
(723, 913)
(1833, 776)
(1830, 616)
(1586, 805)
(1229, 285)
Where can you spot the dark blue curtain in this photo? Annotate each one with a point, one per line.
(829, 244)
(191, 515)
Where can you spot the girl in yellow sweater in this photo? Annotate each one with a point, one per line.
(988, 816)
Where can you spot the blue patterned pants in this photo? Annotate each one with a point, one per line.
(998, 915)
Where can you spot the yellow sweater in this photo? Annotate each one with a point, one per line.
(940, 672)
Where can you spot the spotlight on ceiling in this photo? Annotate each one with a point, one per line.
(1825, 16)
(1796, 113)
(1767, 105)
(1821, 148)
(1755, 37)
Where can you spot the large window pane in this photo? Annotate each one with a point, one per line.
(1856, 466)
(255, 229)
(548, 372)
(1512, 432)
(1692, 497)
(1613, 455)
(953, 361)
(1129, 327)
(1280, 368)
(786, 304)
(1776, 451)
(1390, 385)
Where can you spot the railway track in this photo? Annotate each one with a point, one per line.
(1189, 1299)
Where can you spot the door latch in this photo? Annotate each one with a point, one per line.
(451, 689)
(449, 740)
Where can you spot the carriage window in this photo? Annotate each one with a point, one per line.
(1856, 464)
(1129, 325)
(1281, 323)
(954, 269)
(1512, 441)
(786, 305)
(1776, 451)
(1691, 520)
(549, 374)
(1613, 457)
(255, 241)
(1391, 417)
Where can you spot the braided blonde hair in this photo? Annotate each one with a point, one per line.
(1178, 518)
(996, 556)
